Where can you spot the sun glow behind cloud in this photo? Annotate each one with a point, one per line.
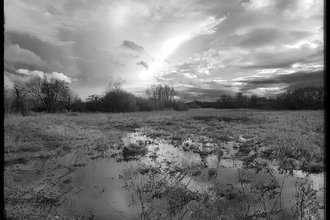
(168, 47)
(171, 45)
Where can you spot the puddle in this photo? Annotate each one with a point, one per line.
(92, 187)
(227, 172)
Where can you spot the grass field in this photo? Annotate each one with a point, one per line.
(293, 140)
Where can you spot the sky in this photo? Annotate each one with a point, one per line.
(202, 48)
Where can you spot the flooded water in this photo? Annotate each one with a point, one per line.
(92, 186)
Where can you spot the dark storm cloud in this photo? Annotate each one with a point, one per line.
(133, 46)
(293, 80)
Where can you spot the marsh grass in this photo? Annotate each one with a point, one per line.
(304, 203)
(35, 139)
(294, 139)
(179, 201)
(149, 183)
(24, 203)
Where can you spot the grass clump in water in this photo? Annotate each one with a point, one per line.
(132, 151)
(305, 204)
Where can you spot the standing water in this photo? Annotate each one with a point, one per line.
(108, 185)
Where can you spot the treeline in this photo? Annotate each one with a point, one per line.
(51, 95)
(309, 98)
(243, 101)
(158, 97)
(38, 94)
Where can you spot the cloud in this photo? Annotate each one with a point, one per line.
(197, 66)
(190, 76)
(207, 41)
(290, 81)
(131, 56)
(144, 64)
(59, 76)
(201, 94)
(259, 4)
(8, 83)
(266, 36)
(46, 51)
(41, 74)
(78, 58)
(190, 80)
(14, 53)
(133, 46)
(118, 64)
(316, 58)
(278, 59)
(44, 20)
(253, 28)
(147, 35)
(283, 5)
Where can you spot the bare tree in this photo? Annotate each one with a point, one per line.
(67, 98)
(160, 95)
(168, 94)
(35, 86)
(114, 85)
(21, 96)
(159, 92)
(301, 98)
(239, 99)
(48, 92)
(254, 100)
(93, 103)
(151, 92)
(226, 101)
(8, 99)
(78, 105)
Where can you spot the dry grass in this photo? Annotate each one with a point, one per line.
(298, 135)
